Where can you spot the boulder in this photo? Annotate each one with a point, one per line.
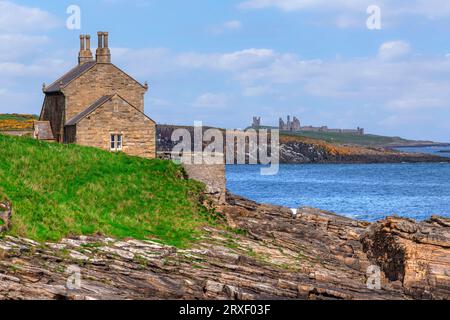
(416, 254)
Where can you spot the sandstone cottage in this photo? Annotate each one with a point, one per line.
(97, 104)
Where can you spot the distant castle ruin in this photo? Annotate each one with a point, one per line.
(256, 122)
(294, 125)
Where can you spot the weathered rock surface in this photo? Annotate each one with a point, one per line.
(307, 152)
(314, 255)
(416, 254)
(5, 216)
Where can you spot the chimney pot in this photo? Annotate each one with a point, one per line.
(88, 42)
(105, 40)
(81, 42)
(100, 41)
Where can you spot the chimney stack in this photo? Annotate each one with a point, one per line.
(103, 54)
(85, 54)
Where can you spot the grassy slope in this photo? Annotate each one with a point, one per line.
(367, 140)
(18, 117)
(344, 138)
(331, 148)
(59, 190)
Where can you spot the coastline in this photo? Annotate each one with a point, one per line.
(270, 255)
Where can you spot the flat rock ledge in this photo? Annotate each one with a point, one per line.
(269, 254)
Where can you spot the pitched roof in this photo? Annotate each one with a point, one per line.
(69, 77)
(88, 110)
(75, 73)
(98, 104)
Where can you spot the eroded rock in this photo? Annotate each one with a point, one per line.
(416, 254)
(5, 216)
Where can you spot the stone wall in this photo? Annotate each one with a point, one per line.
(212, 175)
(102, 80)
(116, 116)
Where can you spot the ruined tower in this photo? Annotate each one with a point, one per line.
(256, 122)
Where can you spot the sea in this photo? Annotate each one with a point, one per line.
(367, 192)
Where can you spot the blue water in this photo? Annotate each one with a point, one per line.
(431, 150)
(362, 191)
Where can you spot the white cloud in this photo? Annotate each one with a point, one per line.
(229, 26)
(211, 100)
(295, 5)
(355, 10)
(233, 25)
(14, 46)
(15, 18)
(237, 60)
(387, 79)
(347, 21)
(393, 50)
(256, 91)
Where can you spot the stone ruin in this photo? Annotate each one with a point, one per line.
(293, 125)
(256, 122)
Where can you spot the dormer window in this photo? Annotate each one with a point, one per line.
(116, 142)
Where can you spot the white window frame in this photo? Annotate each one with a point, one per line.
(116, 142)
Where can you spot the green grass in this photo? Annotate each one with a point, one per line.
(65, 190)
(346, 138)
(18, 117)
(366, 140)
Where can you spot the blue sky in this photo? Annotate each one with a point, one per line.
(224, 61)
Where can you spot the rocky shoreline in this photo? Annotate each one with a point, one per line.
(308, 151)
(265, 253)
(300, 150)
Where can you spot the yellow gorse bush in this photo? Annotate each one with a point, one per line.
(9, 124)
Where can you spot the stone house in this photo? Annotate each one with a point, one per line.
(97, 104)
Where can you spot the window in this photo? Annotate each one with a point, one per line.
(116, 142)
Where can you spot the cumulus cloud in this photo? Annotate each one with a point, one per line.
(15, 18)
(229, 26)
(352, 13)
(232, 25)
(393, 50)
(237, 60)
(387, 78)
(14, 46)
(211, 100)
(295, 5)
